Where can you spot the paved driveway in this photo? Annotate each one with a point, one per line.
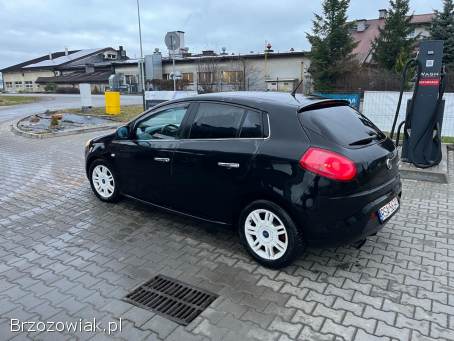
(65, 256)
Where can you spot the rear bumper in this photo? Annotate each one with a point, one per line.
(347, 219)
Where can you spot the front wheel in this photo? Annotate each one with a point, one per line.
(103, 181)
(269, 234)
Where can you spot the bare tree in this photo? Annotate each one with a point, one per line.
(252, 79)
(227, 73)
(208, 74)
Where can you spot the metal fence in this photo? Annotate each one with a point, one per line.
(380, 107)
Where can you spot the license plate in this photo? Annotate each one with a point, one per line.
(387, 211)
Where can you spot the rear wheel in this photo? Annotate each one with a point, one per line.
(103, 181)
(269, 234)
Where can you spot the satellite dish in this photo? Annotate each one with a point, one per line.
(172, 41)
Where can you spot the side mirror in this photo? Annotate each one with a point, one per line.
(122, 132)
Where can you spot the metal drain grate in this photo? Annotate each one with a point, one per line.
(171, 298)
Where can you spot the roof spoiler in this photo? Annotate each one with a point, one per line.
(324, 103)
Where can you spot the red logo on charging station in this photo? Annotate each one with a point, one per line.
(429, 82)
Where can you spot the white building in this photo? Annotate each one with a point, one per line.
(273, 71)
(65, 70)
(205, 72)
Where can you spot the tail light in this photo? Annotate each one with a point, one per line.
(328, 164)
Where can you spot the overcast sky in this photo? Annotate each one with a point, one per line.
(31, 28)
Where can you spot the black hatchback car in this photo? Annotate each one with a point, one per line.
(289, 171)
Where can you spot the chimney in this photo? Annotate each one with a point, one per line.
(382, 13)
(361, 25)
(121, 53)
(50, 55)
(181, 36)
(66, 51)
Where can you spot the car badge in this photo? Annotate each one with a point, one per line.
(389, 163)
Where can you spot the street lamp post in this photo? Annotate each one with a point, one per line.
(142, 76)
(173, 71)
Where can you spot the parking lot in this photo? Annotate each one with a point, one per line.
(65, 256)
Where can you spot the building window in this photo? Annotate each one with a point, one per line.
(205, 77)
(131, 79)
(412, 35)
(232, 76)
(28, 84)
(18, 85)
(165, 76)
(9, 85)
(188, 77)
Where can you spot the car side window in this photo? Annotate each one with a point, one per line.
(161, 125)
(252, 125)
(216, 121)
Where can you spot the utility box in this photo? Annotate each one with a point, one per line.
(112, 102)
(115, 82)
(153, 66)
(85, 96)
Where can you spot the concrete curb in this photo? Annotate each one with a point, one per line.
(437, 174)
(17, 131)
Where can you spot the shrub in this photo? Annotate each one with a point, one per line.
(50, 87)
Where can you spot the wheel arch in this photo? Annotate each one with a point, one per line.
(264, 195)
(95, 157)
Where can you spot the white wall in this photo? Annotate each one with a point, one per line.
(127, 70)
(291, 67)
(24, 76)
(380, 107)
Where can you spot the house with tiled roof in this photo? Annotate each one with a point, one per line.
(366, 30)
(65, 68)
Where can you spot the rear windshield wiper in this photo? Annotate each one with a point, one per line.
(367, 140)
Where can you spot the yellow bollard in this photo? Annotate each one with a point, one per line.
(112, 102)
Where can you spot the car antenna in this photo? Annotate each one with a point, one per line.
(293, 93)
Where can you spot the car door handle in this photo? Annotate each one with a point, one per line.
(229, 164)
(162, 159)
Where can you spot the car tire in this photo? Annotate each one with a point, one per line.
(103, 181)
(269, 234)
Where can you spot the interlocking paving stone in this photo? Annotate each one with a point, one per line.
(65, 255)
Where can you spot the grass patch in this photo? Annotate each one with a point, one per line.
(448, 139)
(14, 100)
(127, 113)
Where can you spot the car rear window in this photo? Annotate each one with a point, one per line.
(342, 125)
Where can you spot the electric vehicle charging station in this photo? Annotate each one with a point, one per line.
(421, 145)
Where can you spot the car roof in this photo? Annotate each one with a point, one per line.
(263, 99)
